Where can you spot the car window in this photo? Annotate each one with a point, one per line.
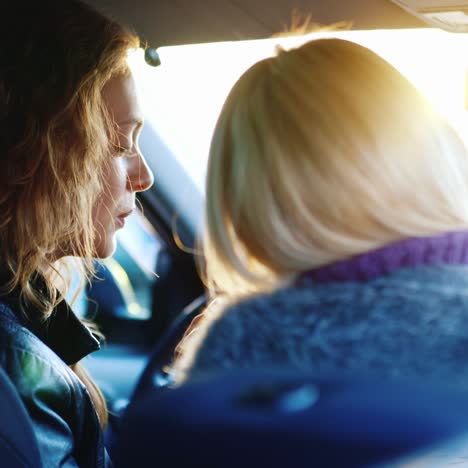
(183, 96)
(181, 100)
(133, 265)
(123, 283)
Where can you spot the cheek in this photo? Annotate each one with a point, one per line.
(115, 181)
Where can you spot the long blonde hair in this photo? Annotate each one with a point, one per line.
(54, 142)
(320, 153)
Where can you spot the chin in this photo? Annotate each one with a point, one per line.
(107, 248)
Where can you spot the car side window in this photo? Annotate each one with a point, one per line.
(123, 284)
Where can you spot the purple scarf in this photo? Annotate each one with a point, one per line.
(451, 248)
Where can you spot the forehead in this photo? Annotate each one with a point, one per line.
(121, 99)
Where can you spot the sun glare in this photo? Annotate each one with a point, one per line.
(182, 98)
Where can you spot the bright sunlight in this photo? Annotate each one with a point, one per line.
(182, 98)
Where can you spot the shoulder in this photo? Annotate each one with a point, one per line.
(254, 329)
(425, 287)
(319, 323)
(29, 362)
(54, 396)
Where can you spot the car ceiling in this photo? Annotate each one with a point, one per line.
(172, 22)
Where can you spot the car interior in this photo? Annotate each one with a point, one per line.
(147, 295)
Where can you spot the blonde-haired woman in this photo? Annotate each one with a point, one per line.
(337, 216)
(69, 169)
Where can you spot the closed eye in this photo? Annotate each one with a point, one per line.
(129, 148)
(123, 150)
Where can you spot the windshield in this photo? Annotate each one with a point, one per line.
(183, 96)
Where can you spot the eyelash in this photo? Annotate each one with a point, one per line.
(122, 151)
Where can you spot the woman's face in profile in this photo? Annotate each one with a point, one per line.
(127, 171)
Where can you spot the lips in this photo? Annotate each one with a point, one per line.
(121, 217)
(124, 214)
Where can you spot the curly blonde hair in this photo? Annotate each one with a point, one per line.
(54, 144)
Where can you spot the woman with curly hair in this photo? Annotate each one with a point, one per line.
(69, 170)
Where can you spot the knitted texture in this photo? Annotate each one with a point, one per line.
(447, 249)
(412, 322)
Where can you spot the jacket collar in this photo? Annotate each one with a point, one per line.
(63, 332)
(66, 335)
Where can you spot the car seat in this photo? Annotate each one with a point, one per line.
(280, 418)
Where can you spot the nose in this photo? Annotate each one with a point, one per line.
(140, 176)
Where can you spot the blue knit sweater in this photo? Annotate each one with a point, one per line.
(399, 321)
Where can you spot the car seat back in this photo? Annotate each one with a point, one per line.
(279, 418)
